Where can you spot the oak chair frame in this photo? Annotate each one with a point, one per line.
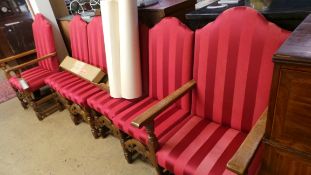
(26, 97)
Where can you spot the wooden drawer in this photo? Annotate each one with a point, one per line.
(292, 116)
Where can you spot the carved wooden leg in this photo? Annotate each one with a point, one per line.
(75, 119)
(91, 121)
(60, 105)
(127, 154)
(74, 112)
(40, 116)
(22, 99)
(152, 147)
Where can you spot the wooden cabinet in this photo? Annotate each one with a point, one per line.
(288, 132)
(177, 8)
(15, 28)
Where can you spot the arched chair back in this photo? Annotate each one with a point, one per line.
(170, 59)
(44, 42)
(78, 39)
(96, 44)
(233, 67)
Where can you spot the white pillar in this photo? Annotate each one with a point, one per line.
(120, 26)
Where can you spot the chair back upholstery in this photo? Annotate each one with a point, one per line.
(96, 45)
(78, 39)
(44, 42)
(233, 67)
(170, 59)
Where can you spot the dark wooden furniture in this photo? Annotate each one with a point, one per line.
(177, 8)
(288, 133)
(147, 15)
(15, 28)
(287, 14)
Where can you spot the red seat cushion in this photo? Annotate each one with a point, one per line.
(164, 123)
(108, 106)
(78, 91)
(199, 147)
(72, 87)
(34, 78)
(61, 79)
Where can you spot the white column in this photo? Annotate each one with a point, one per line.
(120, 23)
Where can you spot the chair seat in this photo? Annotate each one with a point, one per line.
(103, 103)
(34, 78)
(199, 147)
(72, 87)
(164, 123)
(60, 79)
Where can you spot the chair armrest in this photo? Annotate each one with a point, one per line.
(30, 62)
(241, 160)
(147, 116)
(14, 57)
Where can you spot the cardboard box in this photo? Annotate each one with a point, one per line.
(83, 70)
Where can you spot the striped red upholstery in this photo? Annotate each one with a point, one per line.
(88, 46)
(170, 63)
(44, 42)
(233, 70)
(165, 124)
(96, 45)
(233, 67)
(108, 106)
(78, 39)
(171, 49)
(61, 79)
(199, 147)
(34, 78)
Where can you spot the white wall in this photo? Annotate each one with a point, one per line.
(44, 7)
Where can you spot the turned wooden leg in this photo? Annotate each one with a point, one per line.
(21, 97)
(127, 154)
(91, 120)
(75, 119)
(40, 116)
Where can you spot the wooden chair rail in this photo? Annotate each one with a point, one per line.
(14, 57)
(30, 63)
(241, 160)
(146, 117)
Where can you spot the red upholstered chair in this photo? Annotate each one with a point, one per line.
(232, 77)
(47, 64)
(170, 62)
(87, 44)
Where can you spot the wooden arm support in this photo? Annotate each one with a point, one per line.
(21, 55)
(241, 160)
(148, 116)
(30, 62)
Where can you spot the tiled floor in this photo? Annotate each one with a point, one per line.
(55, 146)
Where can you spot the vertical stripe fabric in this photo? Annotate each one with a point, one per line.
(233, 67)
(170, 66)
(78, 39)
(96, 45)
(44, 42)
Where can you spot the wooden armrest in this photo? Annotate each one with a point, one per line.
(242, 158)
(14, 57)
(30, 62)
(152, 112)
